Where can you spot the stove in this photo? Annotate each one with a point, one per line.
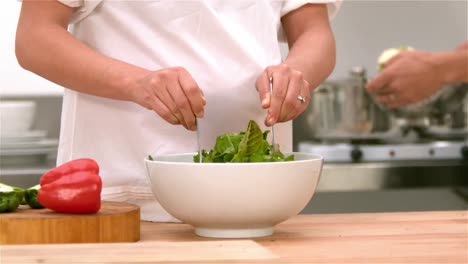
(349, 152)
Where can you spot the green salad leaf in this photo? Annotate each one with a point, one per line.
(248, 146)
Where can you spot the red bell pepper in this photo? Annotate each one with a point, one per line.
(73, 187)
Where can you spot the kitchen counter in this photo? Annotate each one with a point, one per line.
(414, 237)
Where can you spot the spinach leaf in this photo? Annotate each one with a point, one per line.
(248, 146)
(251, 144)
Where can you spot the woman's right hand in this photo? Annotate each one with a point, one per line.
(173, 94)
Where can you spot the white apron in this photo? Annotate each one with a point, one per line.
(225, 45)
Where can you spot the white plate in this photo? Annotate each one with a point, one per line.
(26, 152)
(26, 160)
(34, 135)
(46, 143)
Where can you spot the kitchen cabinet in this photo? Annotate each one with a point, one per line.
(412, 237)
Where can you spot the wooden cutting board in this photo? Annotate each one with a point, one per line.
(115, 222)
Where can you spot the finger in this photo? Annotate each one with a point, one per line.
(382, 99)
(400, 100)
(154, 103)
(163, 95)
(163, 111)
(395, 58)
(389, 100)
(291, 103)
(193, 93)
(280, 87)
(393, 104)
(263, 87)
(302, 106)
(203, 98)
(380, 81)
(462, 46)
(183, 104)
(385, 90)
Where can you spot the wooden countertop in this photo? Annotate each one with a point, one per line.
(416, 237)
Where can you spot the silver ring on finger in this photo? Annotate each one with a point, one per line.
(301, 98)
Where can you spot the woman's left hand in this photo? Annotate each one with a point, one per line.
(290, 96)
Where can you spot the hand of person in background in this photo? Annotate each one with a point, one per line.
(290, 95)
(411, 76)
(463, 46)
(408, 77)
(173, 94)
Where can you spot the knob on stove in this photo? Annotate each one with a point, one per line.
(356, 155)
(464, 152)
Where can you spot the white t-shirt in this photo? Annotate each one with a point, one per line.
(225, 45)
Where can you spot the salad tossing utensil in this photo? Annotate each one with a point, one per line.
(198, 140)
(273, 126)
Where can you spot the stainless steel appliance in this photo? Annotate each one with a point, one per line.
(343, 152)
(375, 153)
(344, 109)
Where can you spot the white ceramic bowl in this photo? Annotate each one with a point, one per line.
(233, 200)
(16, 116)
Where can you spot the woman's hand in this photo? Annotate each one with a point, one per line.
(290, 97)
(173, 94)
(407, 78)
(310, 60)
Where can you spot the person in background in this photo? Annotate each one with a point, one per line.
(412, 76)
(137, 71)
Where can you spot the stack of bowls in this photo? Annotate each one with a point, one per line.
(16, 117)
(19, 143)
